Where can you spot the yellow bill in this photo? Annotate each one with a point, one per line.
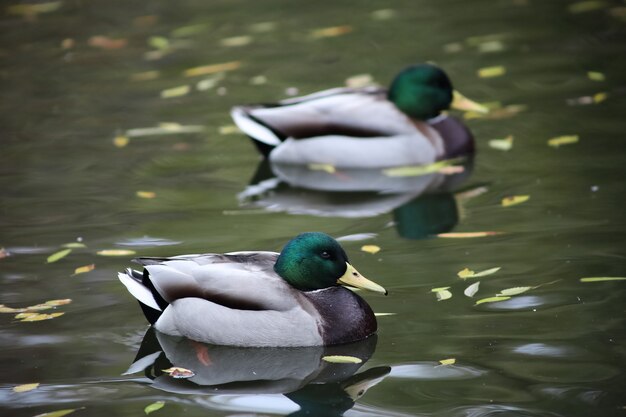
(460, 102)
(353, 278)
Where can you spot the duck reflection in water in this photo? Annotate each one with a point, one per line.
(421, 205)
(316, 386)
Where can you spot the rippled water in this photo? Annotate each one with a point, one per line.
(555, 350)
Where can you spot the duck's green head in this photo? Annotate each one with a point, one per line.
(421, 91)
(313, 261)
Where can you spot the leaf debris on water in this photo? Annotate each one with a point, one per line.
(211, 69)
(229, 130)
(602, 279)
(173, 92)
(104, 42)
(373, 249)
(330, 32)
(513, 291)
(513, 200)
(179, 373)
(359, 80)
(447, 362)
(492, 72)
(236, 41)
(84, 269)
(468, 273)
(563, 140)
(25, 387)
(40, 316)
(472, 289)
(418, 170)
(120, 141)
(596, 76)
(491, 300)
(164, 129)
(154, 407)
(116, 252)
(341, 359)
(383, 14)
(145, 194)
(58, 255)
(59, 413)
(145, 76)
(502, 144)
(442, 293)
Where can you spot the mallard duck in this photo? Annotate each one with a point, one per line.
(294, 298)
(367, 127)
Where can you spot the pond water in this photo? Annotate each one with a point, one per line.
(78, 80)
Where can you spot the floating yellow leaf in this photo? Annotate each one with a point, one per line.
(586, 6)
(116, 252)
(472, 289)
(331, 32)
(258, 80)
(384, 314)
(502, 144)
(418, 170)
(360, 80)
(212, 69)
(370, 249)
(562, 140)
(145, 76)
(83, 269)
(600, 97)
(25, 387)
(59, 413)
(59, 302)
(146, 194)
(445, 362)
(596, 76)
(58, 255)
(491, 72)
(21, 316)
(41, 316)
(513, 291)
(159, 42)
(179, 91)
(229, 130)
(208, 83)
(467, 235)
(468, 273)
(341, 359)
(491, 300)
(179, 373)
(460, 102)
(443, 295)
(513, 200)
(74, 245)
(439, 289)
(236, 41)
(322, 167)
(5, 309)
(601, 279)
(154, 407)
(120, 141)
(164, 129)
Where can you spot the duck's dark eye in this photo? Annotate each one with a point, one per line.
(325, 255)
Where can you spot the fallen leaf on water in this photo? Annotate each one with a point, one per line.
(145, 76)
(154, 407)
(211, 69)
(562, 140)
(41, 316)
(384, 314)
(322, 167)
(442, 293)
(472, 289)
(262, 27)
(587, 100)
(370, 249)
(602, 279)
(236, 41)
(115, 252)
(513, 200)
(58, 255)
(331, 31)
(468, 273)
(360, 80)
(5, 309)
(179, 91)
(146, 194)
(418, 170)
(164, 129)
(59, 302)
(599, 97)
(105, 42)
(229, 130)
(502, 144)
(513, 291)
(497, 113)
(258, 80)
(74, 245)
(490, 46)
(491, 300)
(586, 6)
(179, 373)
(208, 83)
(383, 14)
(492, 72)
(445, 362)
(341, 359)
(159, 42)
(59, 413)
(34, 9)
(25, 387)
(464, 235)
(596, 76)
(120, 141)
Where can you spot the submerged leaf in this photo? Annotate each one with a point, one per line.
(491, 300)
(115, 252)
(373, 249)
(513, 291)
(562, 140)
(445, 362)
(602, 279)
(513, 200)
(502, 144)
(491, 72)
(472, 289)
(154, 407)
(25, 387)
(341, 359)
(58, 255)
(83, 269)
(179, 373)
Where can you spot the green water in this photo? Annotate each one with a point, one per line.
(555, 350)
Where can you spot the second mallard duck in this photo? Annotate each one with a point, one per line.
(365, 128)
(294, 298)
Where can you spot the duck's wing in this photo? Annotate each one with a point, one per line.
(237, 280)
(341, 111)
